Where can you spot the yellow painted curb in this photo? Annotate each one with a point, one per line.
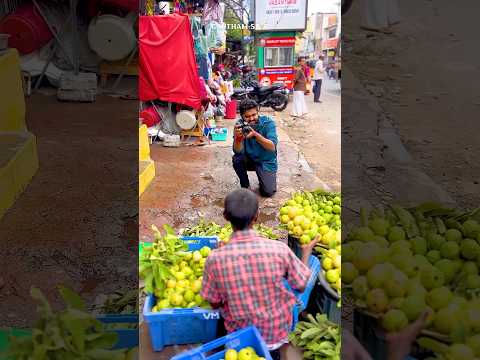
(147, 166)
(143, 144)
(18, 164)
(147, 173)
(12, 102)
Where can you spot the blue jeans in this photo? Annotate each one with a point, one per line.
(317, 88)
(267, 179)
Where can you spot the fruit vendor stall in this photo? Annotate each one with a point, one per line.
(171, 267)
(404, 264)
(183, 38)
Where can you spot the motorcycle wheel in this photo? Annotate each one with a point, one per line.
(278, 102)
(346, 5)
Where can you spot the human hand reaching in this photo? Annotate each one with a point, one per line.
(308, 248)
(352, 349)
(400, 343)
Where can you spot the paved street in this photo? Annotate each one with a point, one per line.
(318, 136)
(421, 77)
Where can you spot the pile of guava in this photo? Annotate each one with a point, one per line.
(310, 214)
(401, 263)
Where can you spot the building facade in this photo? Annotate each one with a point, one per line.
(326, 35)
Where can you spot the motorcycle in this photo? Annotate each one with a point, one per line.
(346, 5)
(275, 96)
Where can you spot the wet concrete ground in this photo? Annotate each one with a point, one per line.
(191, 182)
(75, 224)
(318, 136)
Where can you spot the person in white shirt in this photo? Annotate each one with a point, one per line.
(318, 75)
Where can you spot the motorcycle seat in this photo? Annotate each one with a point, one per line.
(265, 89)
(239, 91)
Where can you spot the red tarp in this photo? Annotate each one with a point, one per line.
(168, 70)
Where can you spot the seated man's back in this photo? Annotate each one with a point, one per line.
(246, 278)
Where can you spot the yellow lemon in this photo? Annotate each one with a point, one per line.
(231, 354)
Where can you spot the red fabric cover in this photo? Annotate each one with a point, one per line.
(202, 89)
(168, 71)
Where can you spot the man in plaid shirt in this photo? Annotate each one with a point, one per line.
(244, 278)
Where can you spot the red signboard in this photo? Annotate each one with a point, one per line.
(283, 75)
(278, 42)
(281, 2)
(332, 20)
(330, 44)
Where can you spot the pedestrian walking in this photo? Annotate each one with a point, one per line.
(306, 69)
(379, 15)
(339, 69)
(318, 76)
(299, 107)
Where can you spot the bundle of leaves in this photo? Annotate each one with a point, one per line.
(157, 258)
(66, 335)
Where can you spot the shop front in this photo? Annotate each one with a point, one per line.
(277, 23)
(275, 58)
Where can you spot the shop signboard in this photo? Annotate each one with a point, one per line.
(280, 15)
(284, 75)
(330, 43)
(278, 42)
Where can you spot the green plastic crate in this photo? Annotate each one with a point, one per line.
(6, 333)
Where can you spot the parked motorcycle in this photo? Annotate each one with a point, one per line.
(275, 96)
(346, 5)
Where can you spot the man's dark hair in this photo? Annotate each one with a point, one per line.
(241, 207)
(300, 58)
(246, 105)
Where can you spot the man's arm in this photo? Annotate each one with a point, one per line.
(307, 250)
(269, 141)
(266, 143)
(298, 271)
(210, 290)
(238, 140)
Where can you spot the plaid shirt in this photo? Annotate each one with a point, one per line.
(246, 277)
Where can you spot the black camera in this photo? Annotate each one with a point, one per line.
(245, 127)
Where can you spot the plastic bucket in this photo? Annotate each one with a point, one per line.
(231, 109)
(27, 29)
(150, 117)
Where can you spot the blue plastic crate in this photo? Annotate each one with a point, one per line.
(127, 338)
(194, 242)
(236, 340)
(179, 326)
(198, 242)
(219, 134)
(182, 326)
(303, 298)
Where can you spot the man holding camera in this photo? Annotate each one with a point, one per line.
(255, 148)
